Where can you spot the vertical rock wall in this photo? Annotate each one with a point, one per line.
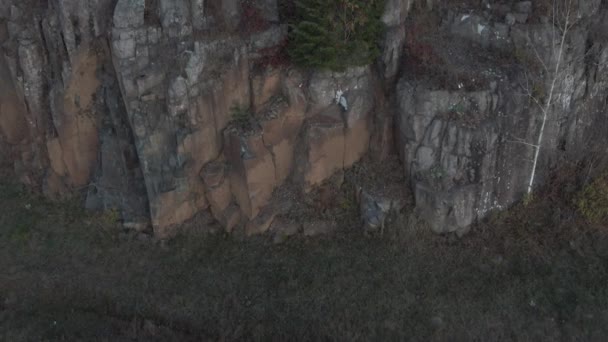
(62, 114)
(166, 108)
(469, 147)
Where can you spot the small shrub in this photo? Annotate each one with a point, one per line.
(437, 172)
(527, 60)
(241, 117)
(592, 202)
(538, 91)
(21, 233)
(458, 109)
(528, 199)
(110, 217)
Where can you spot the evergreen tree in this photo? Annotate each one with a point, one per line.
(335, 34)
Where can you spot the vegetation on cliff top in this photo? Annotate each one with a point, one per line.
(335, 34)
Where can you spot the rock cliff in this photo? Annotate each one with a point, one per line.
(163, 109)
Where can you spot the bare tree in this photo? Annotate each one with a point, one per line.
(564, 18)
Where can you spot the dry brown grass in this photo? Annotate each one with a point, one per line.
(535, 273)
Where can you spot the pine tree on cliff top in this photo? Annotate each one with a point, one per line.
(336, 34)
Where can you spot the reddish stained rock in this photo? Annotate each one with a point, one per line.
(234, 90)
(13, 125)
(280, 132)
(199, 147)
(262, 222)
(324, 142)
(264, 85)
(219, 197)
(54, 187)
(292, 88)
(357, 139)
(78, 135)
(172, 208)
(383, 141)
(217, 187)
(214, 173)
(252, 172)
(230, 217)
(53, 147)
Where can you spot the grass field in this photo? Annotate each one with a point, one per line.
(536, 273)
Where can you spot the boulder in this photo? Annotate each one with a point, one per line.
(318, 227)
(283, 228)
(230, 218)
(376, 208)
(261, 224)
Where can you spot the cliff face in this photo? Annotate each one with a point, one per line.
(133, 103)
(471, 146)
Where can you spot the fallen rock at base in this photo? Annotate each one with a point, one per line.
(318, 227)
(375, 209)
(230, 217)
(283, 229)
(261, 224)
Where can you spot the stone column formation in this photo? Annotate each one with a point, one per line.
(132, 101)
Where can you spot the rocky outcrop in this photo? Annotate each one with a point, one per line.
(334, 137)
(469, 148)
(62, 114)
(395, 16)
(162, 109)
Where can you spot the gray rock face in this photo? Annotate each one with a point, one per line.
(394, 18)
(66, 111)
(177, 120)
(163, 109)
(469, 152)
(452, 146)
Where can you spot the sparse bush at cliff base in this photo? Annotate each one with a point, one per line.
(593, 201)
(336, 34)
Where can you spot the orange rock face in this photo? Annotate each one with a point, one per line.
(78, 136)
(12, 113)
(150, 111)
(264, 85)
(217, 187)
(325, 148)
(252, 174)
(175, 207)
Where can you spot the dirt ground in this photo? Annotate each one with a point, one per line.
(536, 273)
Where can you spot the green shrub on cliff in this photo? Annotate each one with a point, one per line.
(241, 116)
(336, 34)
(593, 201)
